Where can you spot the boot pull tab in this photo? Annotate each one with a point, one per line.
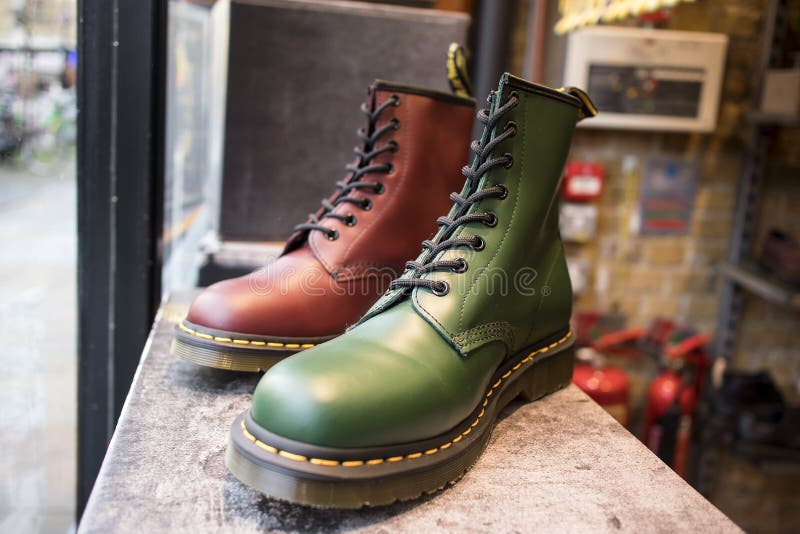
(587, 110)
(457, 74)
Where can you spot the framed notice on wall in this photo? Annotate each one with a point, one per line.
(667, 196)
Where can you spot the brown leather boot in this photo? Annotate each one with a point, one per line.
(342, 259)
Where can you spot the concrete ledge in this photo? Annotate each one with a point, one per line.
(560, 464)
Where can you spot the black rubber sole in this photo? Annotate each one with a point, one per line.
(349, 478)
(232, 351)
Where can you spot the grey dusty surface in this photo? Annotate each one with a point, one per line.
(560, 464)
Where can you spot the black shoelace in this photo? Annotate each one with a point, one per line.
(364, 166)
(482, 164)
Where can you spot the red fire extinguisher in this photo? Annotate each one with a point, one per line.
(672, 399)
(607, 385)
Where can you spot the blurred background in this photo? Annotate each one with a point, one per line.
(38, 299)
(678, 206)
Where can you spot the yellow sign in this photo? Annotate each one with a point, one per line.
(579, 13)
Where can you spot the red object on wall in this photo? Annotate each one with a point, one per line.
(658, 17)
(583, 181)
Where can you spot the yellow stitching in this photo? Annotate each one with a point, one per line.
(247, 434)
(268, 448)
(185, 328)
(318, 461)
(293, 456)
(356, 463)
(244, 341)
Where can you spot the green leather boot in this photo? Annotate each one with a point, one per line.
(403, 403)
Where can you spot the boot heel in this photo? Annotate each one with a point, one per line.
(547, 375)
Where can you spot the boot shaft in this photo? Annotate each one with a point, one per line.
(427, 132)
(345, 255)
(515, 287)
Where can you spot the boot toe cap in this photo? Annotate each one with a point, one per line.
(356, 391)
(223, 306)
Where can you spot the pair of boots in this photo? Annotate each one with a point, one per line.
(402, 402)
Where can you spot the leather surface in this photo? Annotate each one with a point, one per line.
(521, 276)
(416, 366)
(318, 286)
(389, 381)
(291, 297)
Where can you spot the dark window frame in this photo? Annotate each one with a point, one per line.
(121, 103)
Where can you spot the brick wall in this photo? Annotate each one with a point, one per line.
(649, 276)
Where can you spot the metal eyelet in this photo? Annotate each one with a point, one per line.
(333, 235)
(504, 194)
(510, 162)
(395, 146)
(350, 219)
(462, 266)
(395, 124)
(513, 94)
(389, 168)
(366, 204)
(395, 100)
(379, 189)
(441, 288)
(511, 125)
(478, 243)
(491, 220)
